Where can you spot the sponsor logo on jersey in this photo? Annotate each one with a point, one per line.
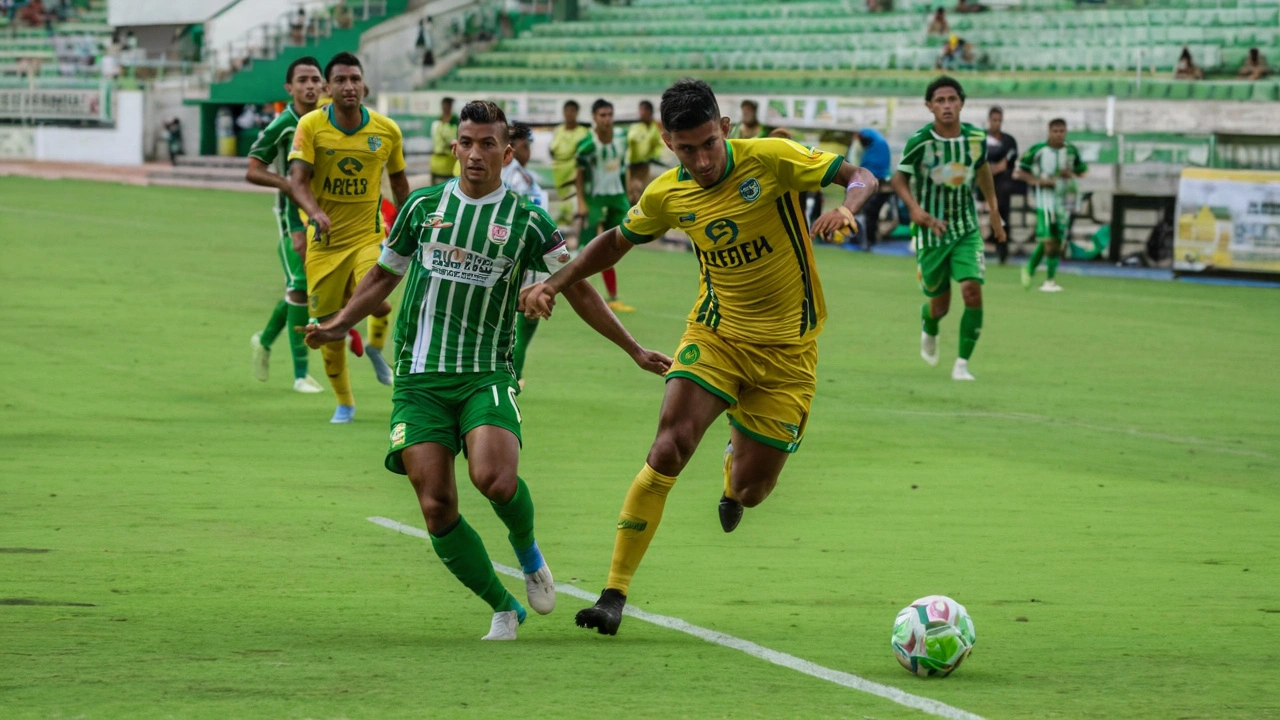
(346, 187)
(349, 166)
(464, 266)
(397, 435)
(735, 256)
(499, 234)
(688, 218)
(436, 221)
(722, 229)
(952, 174)
(375, 142)
(749, 189)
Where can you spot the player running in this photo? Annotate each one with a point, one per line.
(303, 83)
(519, 180)
(465, 246)
(935, 179)
(750, 344)
(336, 177)
(601, 184)
(1051, 167)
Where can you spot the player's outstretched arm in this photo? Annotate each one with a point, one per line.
(860, 185)
(918, 215)
(300, 174)
(600, 254)
(259, 175)
(586, 301)
(987, 184)
(370, 293)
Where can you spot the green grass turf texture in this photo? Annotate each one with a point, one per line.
(1103, 499)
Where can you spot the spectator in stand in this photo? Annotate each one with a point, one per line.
(1255, 66)
(964, 6)
(426, 42)
(876, 160)
(956, 54)
(298, 28)
(938, 27)
(343, 17)
(1187, 69)
(1002, 156)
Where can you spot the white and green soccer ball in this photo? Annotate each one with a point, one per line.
(932, 636)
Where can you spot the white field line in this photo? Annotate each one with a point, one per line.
(931, 707)
(1029, 417)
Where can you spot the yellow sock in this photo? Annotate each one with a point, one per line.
(641, 513)
(728, 469)
(335, 366)
(378, 331)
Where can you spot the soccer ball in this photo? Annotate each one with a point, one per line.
(932, 636)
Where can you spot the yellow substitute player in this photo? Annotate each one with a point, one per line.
(750, 344)
(339, 153)
(644, 146)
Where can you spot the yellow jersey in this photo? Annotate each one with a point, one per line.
(758, 281)
(644, 143)
(347, 167)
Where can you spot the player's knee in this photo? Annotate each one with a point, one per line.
(672, 449)
(296, 297)
(439, 504)
(972, 293)
(496, 484)
(1053, 248)
(750, 495)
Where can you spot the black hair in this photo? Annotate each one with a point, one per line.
(485, 112)
(754, 105)
(599, 105)
(946, 81)
(342, 58)
(308, 60)
(519, 131)
(572, 104)
(995, 110)
(647, 104)
(1056, 122)
(687, 104)
(446, 100)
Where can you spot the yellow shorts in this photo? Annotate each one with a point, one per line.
(332, 276)
(769, 389)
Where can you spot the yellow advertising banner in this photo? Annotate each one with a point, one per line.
(1227, 220)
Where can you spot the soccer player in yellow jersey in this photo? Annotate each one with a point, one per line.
(644, 146)
(750, 343)
(335, 173)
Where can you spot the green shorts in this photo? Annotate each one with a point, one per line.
(608, 209)
(1052, 225)
(288, 221)
(442, 408)
(962, 260)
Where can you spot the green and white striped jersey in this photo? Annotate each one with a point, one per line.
(605, 163)
(465, 258)
(272, 147)
(1044, 161)
(942, 172)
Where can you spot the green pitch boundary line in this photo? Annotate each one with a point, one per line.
(932, 707)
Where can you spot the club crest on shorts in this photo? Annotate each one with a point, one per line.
(499, 234)
(375, 142)
(749, 189)
(397, 435)
(436, 221)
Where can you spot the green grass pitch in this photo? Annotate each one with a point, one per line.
(1103, 499)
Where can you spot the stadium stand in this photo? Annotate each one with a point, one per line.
(1039, 49)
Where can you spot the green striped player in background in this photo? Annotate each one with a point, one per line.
(465, 246)
(303, 82)
(1051, 167)
(940, 164)
(602, 186)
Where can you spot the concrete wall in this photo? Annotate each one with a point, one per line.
(120, 145)
(165, 102)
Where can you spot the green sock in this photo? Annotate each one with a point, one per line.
(463, 553)
(970, 328)
(927, 321)
(297, 317)
(274, 325)
(517, 515)
(525, 328)
(1036, 256)
(1051, 266)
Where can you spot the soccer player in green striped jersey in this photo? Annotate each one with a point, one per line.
(303, 82)
(601, 183)
(1051, 167)
(465, 246)
(935, 179)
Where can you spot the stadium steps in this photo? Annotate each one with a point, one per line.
(209, 171)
